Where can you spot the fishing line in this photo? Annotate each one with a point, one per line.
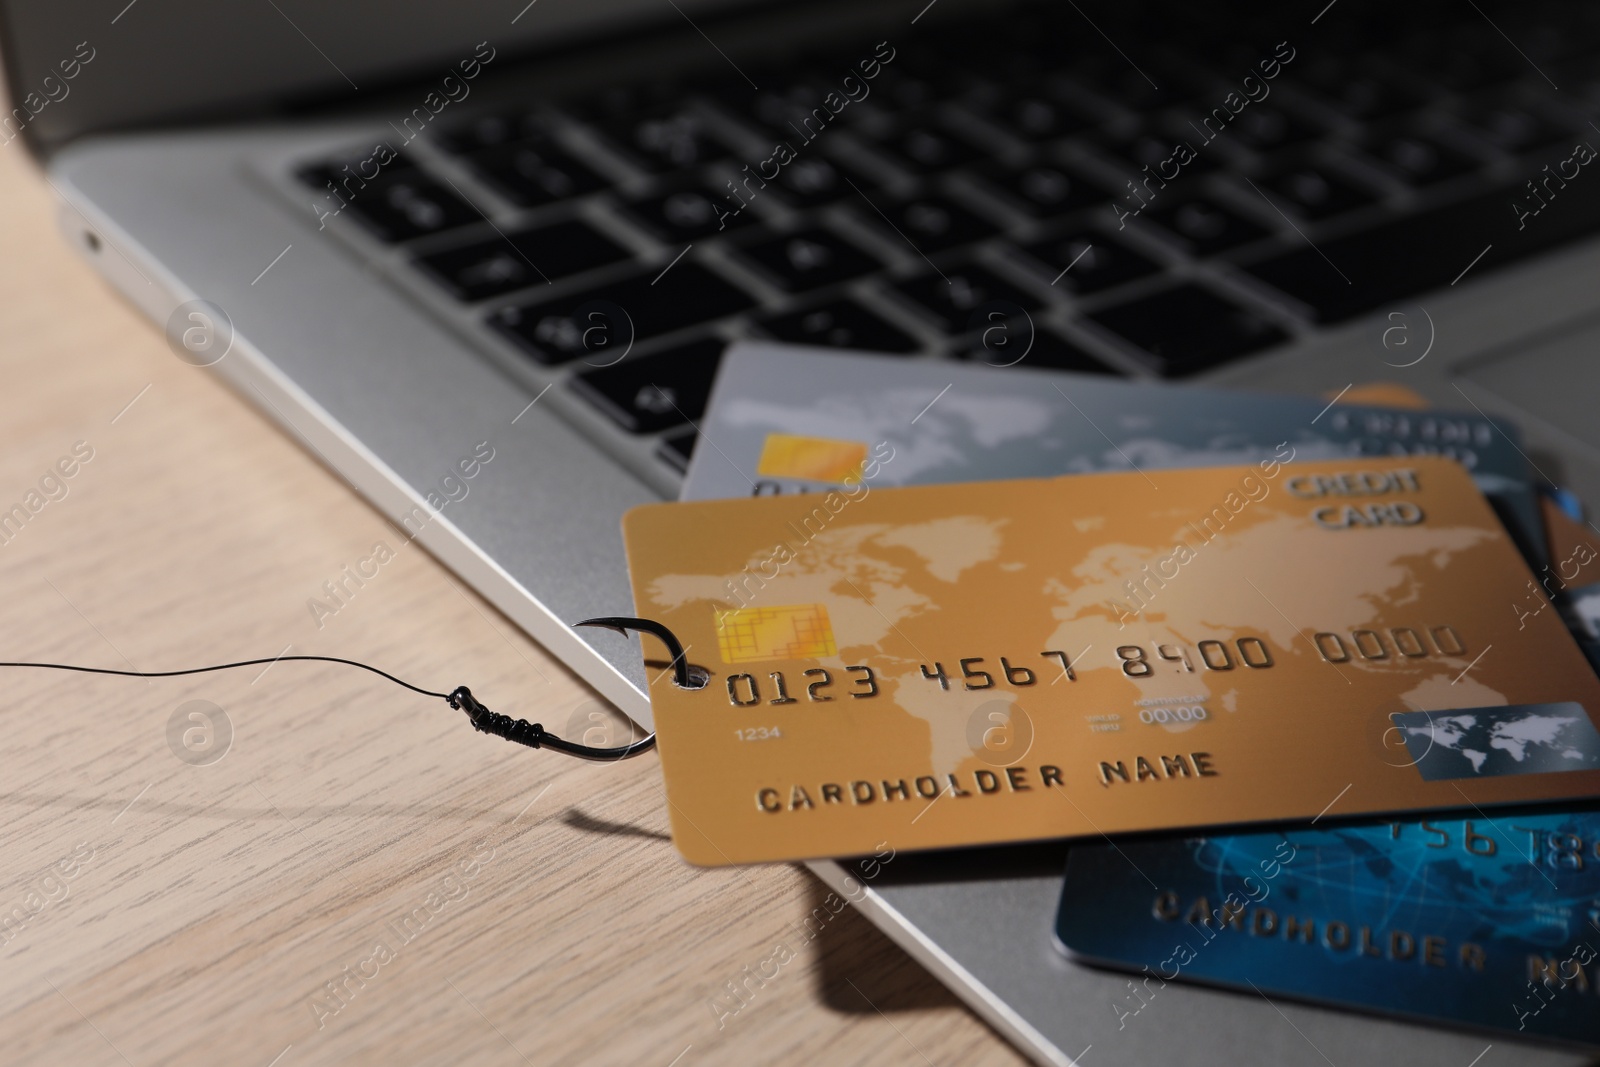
(521, 731)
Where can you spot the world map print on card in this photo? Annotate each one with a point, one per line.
(1489, 742)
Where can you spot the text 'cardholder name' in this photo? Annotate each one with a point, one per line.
(961, 664)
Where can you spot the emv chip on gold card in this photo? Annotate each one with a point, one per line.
(798, 631)
(954, 665)
(815, 459)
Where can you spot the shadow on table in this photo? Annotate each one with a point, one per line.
(588, 823)
(862, 971)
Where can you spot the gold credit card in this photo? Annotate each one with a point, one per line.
(960, 664)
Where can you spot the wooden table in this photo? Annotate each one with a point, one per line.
(162, 910)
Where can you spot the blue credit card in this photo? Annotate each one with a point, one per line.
(955, 422)
(1458, 919)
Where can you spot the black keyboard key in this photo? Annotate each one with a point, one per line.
(659, 138)
(657, 391)
(1413, 254)
(1202, 226)
(489, 131)
(1047, 350)
(933, 223)
(397, 205)
(1167, 157)
(599, 322)
(1510, 126)
(687, 213)
(856, 166)
(1043, 190)
(838, 324)
(959, 299)
(811, 182)
(927, 149)
(792, 114)
(1417, 158)
(1088, 261)
(808, 259)
(1265, 128)
(1189, 329)
(1033, 116)
(677, 450)
(1313, 191)
(522, 258)
(531, 175)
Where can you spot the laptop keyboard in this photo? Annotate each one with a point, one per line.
(996, 174)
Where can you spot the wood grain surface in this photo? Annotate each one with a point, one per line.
(158, 908)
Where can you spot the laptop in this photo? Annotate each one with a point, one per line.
(401, 231)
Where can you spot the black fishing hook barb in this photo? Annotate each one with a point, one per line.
(684, 676)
